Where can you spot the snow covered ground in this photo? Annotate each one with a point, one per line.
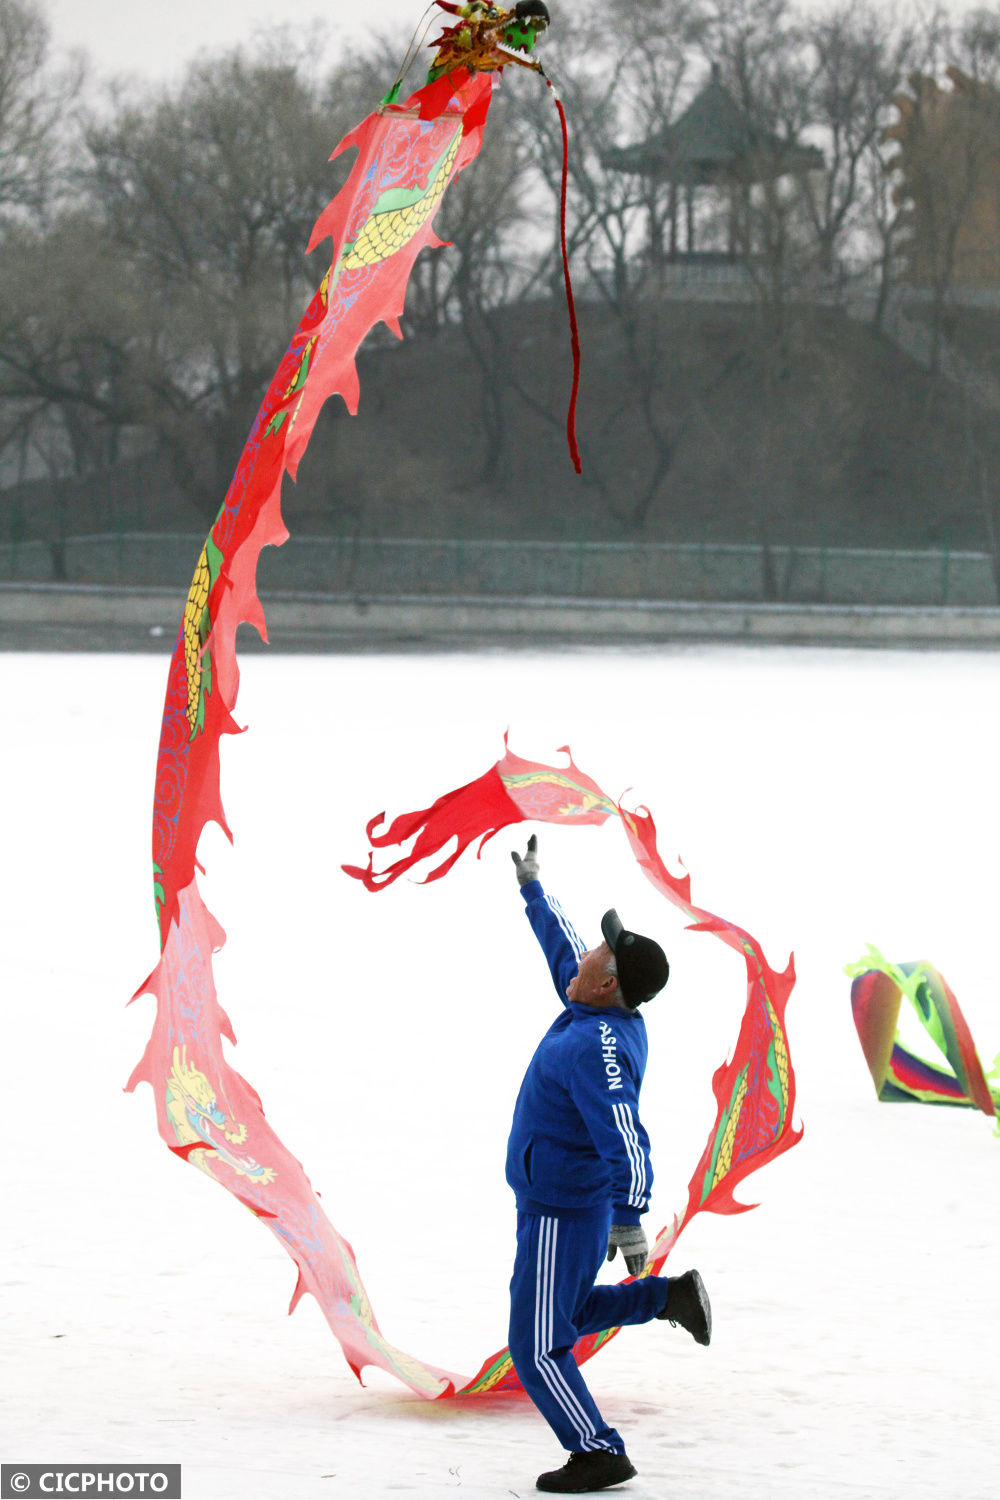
(821, 799)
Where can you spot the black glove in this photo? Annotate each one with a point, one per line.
(630, 1239)
(526, 865)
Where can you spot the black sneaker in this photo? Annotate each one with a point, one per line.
(687, 1304)
(586, 1472)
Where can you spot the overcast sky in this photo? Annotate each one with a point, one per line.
(156, 38)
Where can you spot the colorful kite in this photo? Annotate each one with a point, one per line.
(898, 1074)
(408, 155)
(754, 1091)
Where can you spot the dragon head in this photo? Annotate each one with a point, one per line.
(525, 25)
(487, 37)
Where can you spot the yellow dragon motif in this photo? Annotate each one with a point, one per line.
(780, 1054)
(196, 627)
(725, 1156)
(398, 215)
(194, 613)
(193, 1111)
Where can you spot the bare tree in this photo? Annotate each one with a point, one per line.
(976, 44)
(198, 203)
(857, 57)
(68, 356)
(622, 70)
(483, 217)
(763, 61)
(34, 97)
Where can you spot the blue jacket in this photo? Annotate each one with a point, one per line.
(577, 1143)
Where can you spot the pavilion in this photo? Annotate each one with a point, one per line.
(713, 147)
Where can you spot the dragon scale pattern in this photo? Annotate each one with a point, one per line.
(194, 612)
(780, 1053)
(725, 1156)
(384, 233)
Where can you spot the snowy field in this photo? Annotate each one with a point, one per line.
(821, 799)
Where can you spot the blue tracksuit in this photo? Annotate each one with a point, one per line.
(578, 1161)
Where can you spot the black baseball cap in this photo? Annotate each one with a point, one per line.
(642, 965)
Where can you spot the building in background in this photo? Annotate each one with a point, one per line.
(949, 160)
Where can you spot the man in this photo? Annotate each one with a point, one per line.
(578, 1161)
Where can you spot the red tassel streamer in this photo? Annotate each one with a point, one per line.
(570, 303)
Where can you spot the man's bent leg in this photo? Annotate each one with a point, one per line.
(557, 1260)
(622, 1306)
(681, 1300)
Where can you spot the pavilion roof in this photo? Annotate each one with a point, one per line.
(714, 140)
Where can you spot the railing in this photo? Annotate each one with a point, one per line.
(462, 568)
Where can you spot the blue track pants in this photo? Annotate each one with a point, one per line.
(553, 1302)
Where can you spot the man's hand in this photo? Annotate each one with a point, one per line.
(526, 865)
(630, 1239)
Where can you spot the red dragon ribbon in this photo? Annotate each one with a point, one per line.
(754, 1090)
(408, 155)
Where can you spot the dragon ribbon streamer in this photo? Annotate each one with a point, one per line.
(754, 1090)
(407, 157)
(207, 1114)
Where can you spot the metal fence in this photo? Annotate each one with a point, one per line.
(459, 568)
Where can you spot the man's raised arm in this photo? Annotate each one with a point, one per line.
(560, 944)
